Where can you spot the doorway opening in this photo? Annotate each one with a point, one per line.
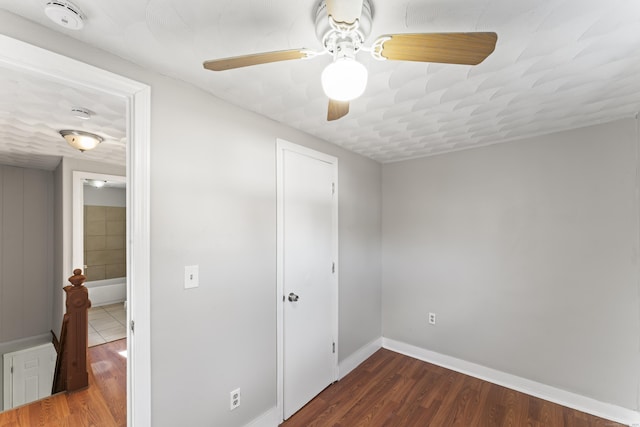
(99, 248)
(307, 274)
(25, 58)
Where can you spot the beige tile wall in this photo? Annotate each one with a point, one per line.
(104, 242)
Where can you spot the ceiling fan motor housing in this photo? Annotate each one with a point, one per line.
(331, 38)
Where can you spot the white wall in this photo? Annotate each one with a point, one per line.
(528, 253)
(213, 203)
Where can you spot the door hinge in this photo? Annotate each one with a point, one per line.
(11, 369)
(334, 347)
(333, 267)
(333, 188)
(133, 326)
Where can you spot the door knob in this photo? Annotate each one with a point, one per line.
(293, 297)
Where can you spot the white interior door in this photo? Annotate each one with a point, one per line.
(307, 201)
(28, 375)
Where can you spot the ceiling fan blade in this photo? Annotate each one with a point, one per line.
(337, 109)
(255, 59)
(346, 11)
(448, 48)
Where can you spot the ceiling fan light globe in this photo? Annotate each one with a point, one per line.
(344, 79)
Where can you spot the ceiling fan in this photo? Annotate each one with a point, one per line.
(342, 27)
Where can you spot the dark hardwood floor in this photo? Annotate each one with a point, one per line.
(393, 390)
(102, 404)
(389, 390)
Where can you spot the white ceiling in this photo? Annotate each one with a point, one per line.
(33, 110)
(558, 64)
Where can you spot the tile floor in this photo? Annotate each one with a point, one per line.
(107, 323)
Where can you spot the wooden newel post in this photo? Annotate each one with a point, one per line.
(72, 354)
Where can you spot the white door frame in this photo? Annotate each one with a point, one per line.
(78, 211)
(26, 58)
(281, 147)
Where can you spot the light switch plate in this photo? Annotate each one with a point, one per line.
(191, 277)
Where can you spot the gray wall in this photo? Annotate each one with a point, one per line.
(213, 203)
(26, 258)
(217, 208)
(26, 252)
(528, 254)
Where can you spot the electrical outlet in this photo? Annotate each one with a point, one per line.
(234, 399)
(432, 318)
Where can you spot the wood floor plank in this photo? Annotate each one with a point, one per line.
(466, 403)
(393, 390)
(446, 413)
(102, 404)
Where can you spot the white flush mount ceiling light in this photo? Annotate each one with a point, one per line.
(80, 140)
(65, 14)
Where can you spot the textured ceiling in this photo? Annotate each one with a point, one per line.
(33, 110)
(558, 64)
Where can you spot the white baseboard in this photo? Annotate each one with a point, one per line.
(362, 354)
(533, 388)
(267, 419)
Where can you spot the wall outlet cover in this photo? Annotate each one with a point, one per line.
(432, 318)
(191, 279)
(234, 399)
